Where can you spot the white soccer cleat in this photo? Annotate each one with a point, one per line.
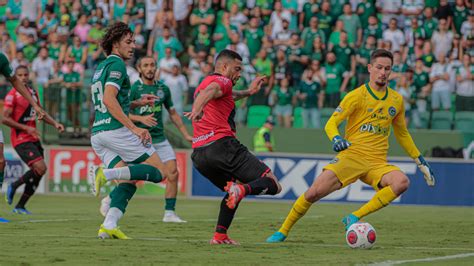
(172, 217)
(105, 205)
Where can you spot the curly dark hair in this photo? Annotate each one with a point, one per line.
(113, 35)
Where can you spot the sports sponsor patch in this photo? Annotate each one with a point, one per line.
(339, 109)
(160, 94)
(335, 160)
(115, 74)
(9, 99)
(392, 111)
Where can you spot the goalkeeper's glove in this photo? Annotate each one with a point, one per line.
(425, 168)
(340, 144)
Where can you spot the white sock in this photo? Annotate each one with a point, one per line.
(121, 173)
(112, 218)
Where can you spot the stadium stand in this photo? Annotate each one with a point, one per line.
(281, 39)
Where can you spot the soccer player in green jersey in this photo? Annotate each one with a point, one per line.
(7, 72)
(124, 148)
(150, 117)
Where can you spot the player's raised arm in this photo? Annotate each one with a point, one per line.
(255, 87)
(405, 140)
(345, 108)
(212, 91)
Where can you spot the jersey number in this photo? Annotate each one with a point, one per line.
(98, 96)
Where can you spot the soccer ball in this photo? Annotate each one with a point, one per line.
(361, 235)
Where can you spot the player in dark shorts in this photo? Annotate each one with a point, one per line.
(7, 72)
(217, 154)
(20, 116)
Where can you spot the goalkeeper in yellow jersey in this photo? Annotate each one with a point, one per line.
(371, 110)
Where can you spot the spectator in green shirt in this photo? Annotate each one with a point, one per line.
(310, 33)
(310, 8)
(373, 28)
(365, 9)
(93, 38)
(325, 19)
(335, 37)
(222, 33)
(317, 52)
(352, 24)
(72, 83)
(345, 54)
(201, 42)
(421, 82)
(430, 24)
(460, 13)
(166, 41)
(311, 95)
(363, 58)
(284, 98)
(296, 58)
(336, 81)
(253, 36)
(30, 50)
(202, 14)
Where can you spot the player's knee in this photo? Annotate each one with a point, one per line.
(173, 175)
(401, 185)
(40, 169)
(314, 193)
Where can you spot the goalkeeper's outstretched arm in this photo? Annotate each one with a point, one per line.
(406, 141)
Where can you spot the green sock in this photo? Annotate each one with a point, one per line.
(145, 172)
(170, 204)
(121, 195)
(1, 179)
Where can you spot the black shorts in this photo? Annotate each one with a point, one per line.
(227, 160)
(30, 152)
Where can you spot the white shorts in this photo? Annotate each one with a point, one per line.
(121, 144)
(165, 151)
(1, 137)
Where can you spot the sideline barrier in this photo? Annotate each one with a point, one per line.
(68, 167)
(14, 169)
(454, 181)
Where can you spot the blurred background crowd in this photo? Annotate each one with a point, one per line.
(313, 51)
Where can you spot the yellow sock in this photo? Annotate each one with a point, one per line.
(381, 199)
(299, 209)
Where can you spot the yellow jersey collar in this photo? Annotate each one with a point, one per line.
(373, 94)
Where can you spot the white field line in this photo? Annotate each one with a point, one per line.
(53, 221)
(429, 259)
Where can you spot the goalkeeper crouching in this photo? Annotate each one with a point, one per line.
(370, 110)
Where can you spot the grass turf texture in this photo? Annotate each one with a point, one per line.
(63, 229)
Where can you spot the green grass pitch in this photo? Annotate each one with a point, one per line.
(63, 229)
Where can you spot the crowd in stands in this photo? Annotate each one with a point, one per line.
(313, 51)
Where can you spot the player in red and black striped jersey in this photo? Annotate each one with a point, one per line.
(20, 116)
(217, 154)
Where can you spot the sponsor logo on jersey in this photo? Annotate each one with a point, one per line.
(339, 109)
(102, 121)
(377, 129)
(335, 160)
(379, 116)
(203, 137)
(160, 94)
(392, 111)
(115, 74)
(97, 74)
